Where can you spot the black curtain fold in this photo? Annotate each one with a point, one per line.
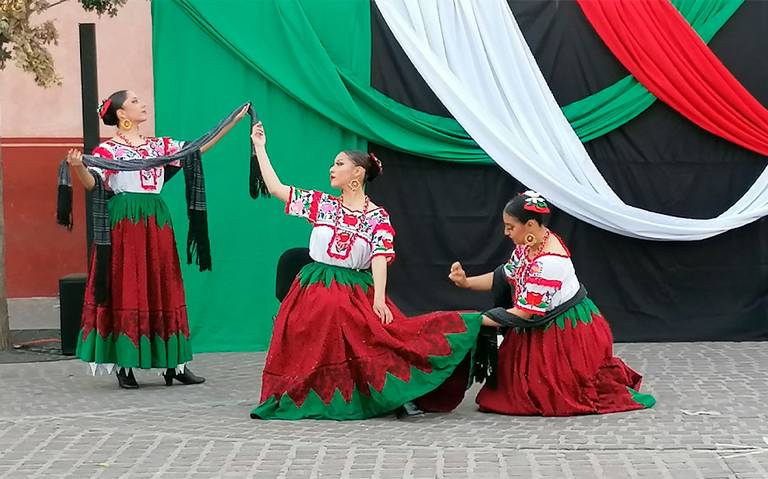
(716, 289)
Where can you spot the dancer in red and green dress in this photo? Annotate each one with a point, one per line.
(143, 322)
(556, 358)
(340, 349)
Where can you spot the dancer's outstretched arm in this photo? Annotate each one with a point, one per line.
(274, 185)
(484, 282)
(224, 131)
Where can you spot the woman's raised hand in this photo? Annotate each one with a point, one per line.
(258, 136)
(75, 158)
(458, 275)
(242, 113)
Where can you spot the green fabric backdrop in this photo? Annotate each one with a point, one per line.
(197, 82)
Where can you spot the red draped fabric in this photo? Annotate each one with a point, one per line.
(658, 46)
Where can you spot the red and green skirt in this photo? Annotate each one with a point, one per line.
(331, 357)
(144, 322)
(564, 369)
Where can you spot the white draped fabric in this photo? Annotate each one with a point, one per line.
(473, 56)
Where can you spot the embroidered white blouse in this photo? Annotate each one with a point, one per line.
(340, 236)
(542, 283)
(144, 181)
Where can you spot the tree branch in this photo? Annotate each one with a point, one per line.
(54, 4)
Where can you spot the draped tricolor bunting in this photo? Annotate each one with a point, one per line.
(611, 107)
(658, 46)
(474, 57)
(330, 75)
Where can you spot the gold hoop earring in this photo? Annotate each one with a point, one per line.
(354, 185)
(530, 239)
(126, 124)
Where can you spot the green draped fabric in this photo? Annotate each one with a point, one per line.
(288, 51)
(280, 40)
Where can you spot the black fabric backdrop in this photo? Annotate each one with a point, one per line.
(716, 289)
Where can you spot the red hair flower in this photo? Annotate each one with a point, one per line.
(535, 202)
(104, 107)
(377, 161)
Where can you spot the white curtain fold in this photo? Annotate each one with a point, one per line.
(474, 57)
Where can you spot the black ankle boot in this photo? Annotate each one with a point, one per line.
(187, 377)
(408, 409)
(126, 381)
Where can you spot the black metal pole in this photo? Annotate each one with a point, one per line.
(90, 97)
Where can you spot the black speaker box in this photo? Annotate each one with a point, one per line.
(71, 297)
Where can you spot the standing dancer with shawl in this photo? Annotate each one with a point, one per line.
(340, 349)
(135, 313)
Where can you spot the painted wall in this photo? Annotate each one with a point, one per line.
(38, 125)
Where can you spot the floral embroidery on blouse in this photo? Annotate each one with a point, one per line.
(147, 181)
(535, 281)
(323, 210)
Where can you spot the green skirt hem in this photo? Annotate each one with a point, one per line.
(150, 353)
(394, 394)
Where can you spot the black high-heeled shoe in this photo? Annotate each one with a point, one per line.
(187, 377)
(408, 409)
(126, 381)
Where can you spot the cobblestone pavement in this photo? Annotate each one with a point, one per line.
(710, 422)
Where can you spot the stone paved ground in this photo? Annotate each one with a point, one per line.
(710, 422)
